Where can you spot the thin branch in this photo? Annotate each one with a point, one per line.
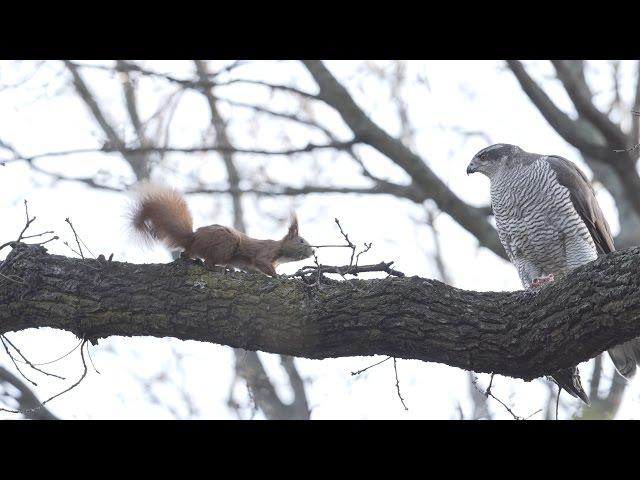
(34, 409)
(75, 235)
(395, 368)
(310, 147)
(346, 270)
(29, 221)
(358, 372)
(365, 130)
(131, 103)
(272, 86)
(287, 116)
(56, 359)
(6, 349)
(26, 360)
(127, 66)
(349, 244)
(488, 393)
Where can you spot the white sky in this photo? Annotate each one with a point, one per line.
(44, 115)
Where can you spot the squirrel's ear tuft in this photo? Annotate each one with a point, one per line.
(293, 227)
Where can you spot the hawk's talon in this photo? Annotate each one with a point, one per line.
(539, 281)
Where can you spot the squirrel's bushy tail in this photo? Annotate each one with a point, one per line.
(161, 213)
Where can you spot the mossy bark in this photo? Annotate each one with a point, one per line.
(519, 334)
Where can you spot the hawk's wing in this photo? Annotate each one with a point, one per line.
(584, 201)
(626, 356)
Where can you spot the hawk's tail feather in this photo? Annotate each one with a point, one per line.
(625, 357)
(569, 379)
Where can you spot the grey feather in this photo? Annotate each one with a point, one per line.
(625, 357)
(584, 201)
(569, 379)
(549, 222)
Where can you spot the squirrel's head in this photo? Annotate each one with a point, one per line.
(294, 247)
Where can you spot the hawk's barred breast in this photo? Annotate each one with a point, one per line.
(537, 222)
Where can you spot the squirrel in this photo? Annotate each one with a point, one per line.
(161, 213)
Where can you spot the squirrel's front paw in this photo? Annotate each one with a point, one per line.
(216, 269)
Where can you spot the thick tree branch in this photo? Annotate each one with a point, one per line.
(573, 131)
(365, 130)
(571, 74)
(248, 364)
(520, 334)
(130, 97)
(582, 134)
(137, 160)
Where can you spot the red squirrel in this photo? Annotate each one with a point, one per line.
(161, 213)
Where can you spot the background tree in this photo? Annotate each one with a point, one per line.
(305, 131)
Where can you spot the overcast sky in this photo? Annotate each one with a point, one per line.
(444, 98)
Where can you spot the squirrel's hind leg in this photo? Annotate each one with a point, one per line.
(266, 268)
(184, 255)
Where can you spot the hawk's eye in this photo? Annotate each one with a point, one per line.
(483, 156)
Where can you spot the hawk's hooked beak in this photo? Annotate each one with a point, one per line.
(473, 166)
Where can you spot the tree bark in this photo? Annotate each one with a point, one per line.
(523, 334)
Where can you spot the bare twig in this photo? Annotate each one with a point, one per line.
(26, 360)
(29, 221)
(91, 359)
(15, 364)
(350, 269)
(367, 247)
(78, 240)
(72, 249)
(358, 372)
(122, 149)
(75, 235)
(22, 236)
(395, 367)
(84, 373)
(57, 359)
(488, 393)
(349, 244)
(36, 235)
(347, 270)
